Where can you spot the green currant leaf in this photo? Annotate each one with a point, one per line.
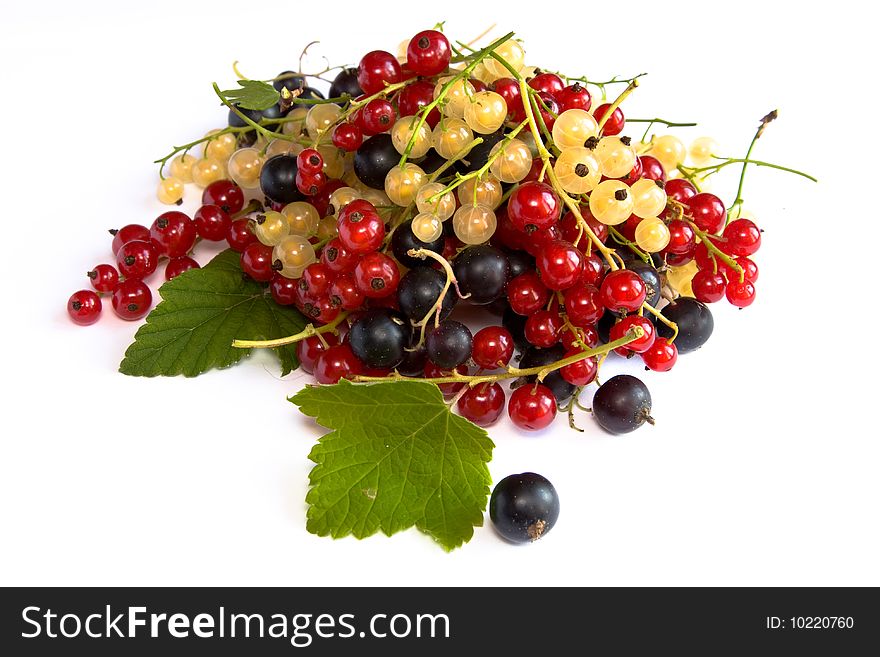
(396, 457)
(201, 312)
(253, 95)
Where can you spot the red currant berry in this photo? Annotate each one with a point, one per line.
(84, 307)
(661, 356)
(579, 373)
(740, 293)
(708, 286)
(483, 404)
(743, 237)
(376, 70)
(310, 161)
(478, 85)
(308, 350)
(336, 363)
(176, 266)
(614, 124)
(321, 200)
(679, 259)
(549, 83)
(256, 262)
(680, 189)
(321, 310)
(337, 258)
(509, 90)
(532, 206)
(634, 174)
(377, 116)
(708, 212)
(706, 259)
(316, 280)
(750, 270)
(543, 328)
(651, 168)
(493, 347)
(583, 305)
(560, 265)
(594, 270)
(413, 97)
(173, 233)
(639, 345)
(548, 108)
(131, 299)
(239, 235)
(347, 136)
(283, 290)
(574, 96)
(344, 293)
(623, 291)
(377, 275)
(526, 293)
(310, 183)
(212, 223)
(682, 237)
(428, 53)
(137, 259)
(129, 233)
(532, 407)
(225, 194)
(361, 229)
(104, 278)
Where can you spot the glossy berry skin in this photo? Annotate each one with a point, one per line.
(594, 269)
(750, 270)
(662, 356)
(581, 372)
(129, 233)
(623, 291)
(239, 235)
(374, 159)
(225, 194)
(651, 168)
(509, 90)
(337, 258)
(344, 293)
(212, 223)
(310, 184)
(278, 179)
(583, 305)
(419, 290)
(614, 125)
(743, 237)
(361, 229)
(336, 363)
(651, 277)
(639, 345)
(316, 280)
(622, 404)
(708, 286)
(321, 310)
(378, 338)
(403, 240)
(695, 323)
(483, 404)
(634, 174)
(740, 293)
(376, 275)
(708, 211)
(532, 206)
(543, 328)
(308, 350)
(256, 262)
(104, 278)
(680, 189)
(309, 161)
(283, 290)
(376, 70)
(173, 233)
(428, 53)
(413, 97)
(449, 345)
(176, 266)
(527, 294)
(574, 96)
(549, 83)
(560, 265)
(137, 259)
(482, 272)
(347, 136)
(346, 84)
(548, 109)
(493, 347)
(131, 299)
(532, 407)
(523, 507)
(84, 307)
(682, 237)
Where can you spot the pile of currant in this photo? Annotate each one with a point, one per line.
(447, 177)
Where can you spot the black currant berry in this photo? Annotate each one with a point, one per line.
(479, 154)
(516, 324)
(278, 179)
(235, 121)
(432, 161)
(379, 337)
(290, 81)
(374, 159)
(413, 363)
(603, 326)
(535, 357)
(419, 290)
(520, 262)
(449, 345)
(652, 281)
(524, 507)
(695, 323)
(273, 112)
(346, 83)
(482, 272)
(403, 240)
(622, 404)
(310, 93)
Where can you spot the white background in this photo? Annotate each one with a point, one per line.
(762, 468)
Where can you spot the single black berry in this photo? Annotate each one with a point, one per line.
(482, 272)
(622, 404)
(695, 323)
(524, 507)
(449, 345)
(419, 290)
(379, 337)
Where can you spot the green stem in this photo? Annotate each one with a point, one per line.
(620, 239)
(307, 332)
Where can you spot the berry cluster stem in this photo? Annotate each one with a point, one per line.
(307, 332)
